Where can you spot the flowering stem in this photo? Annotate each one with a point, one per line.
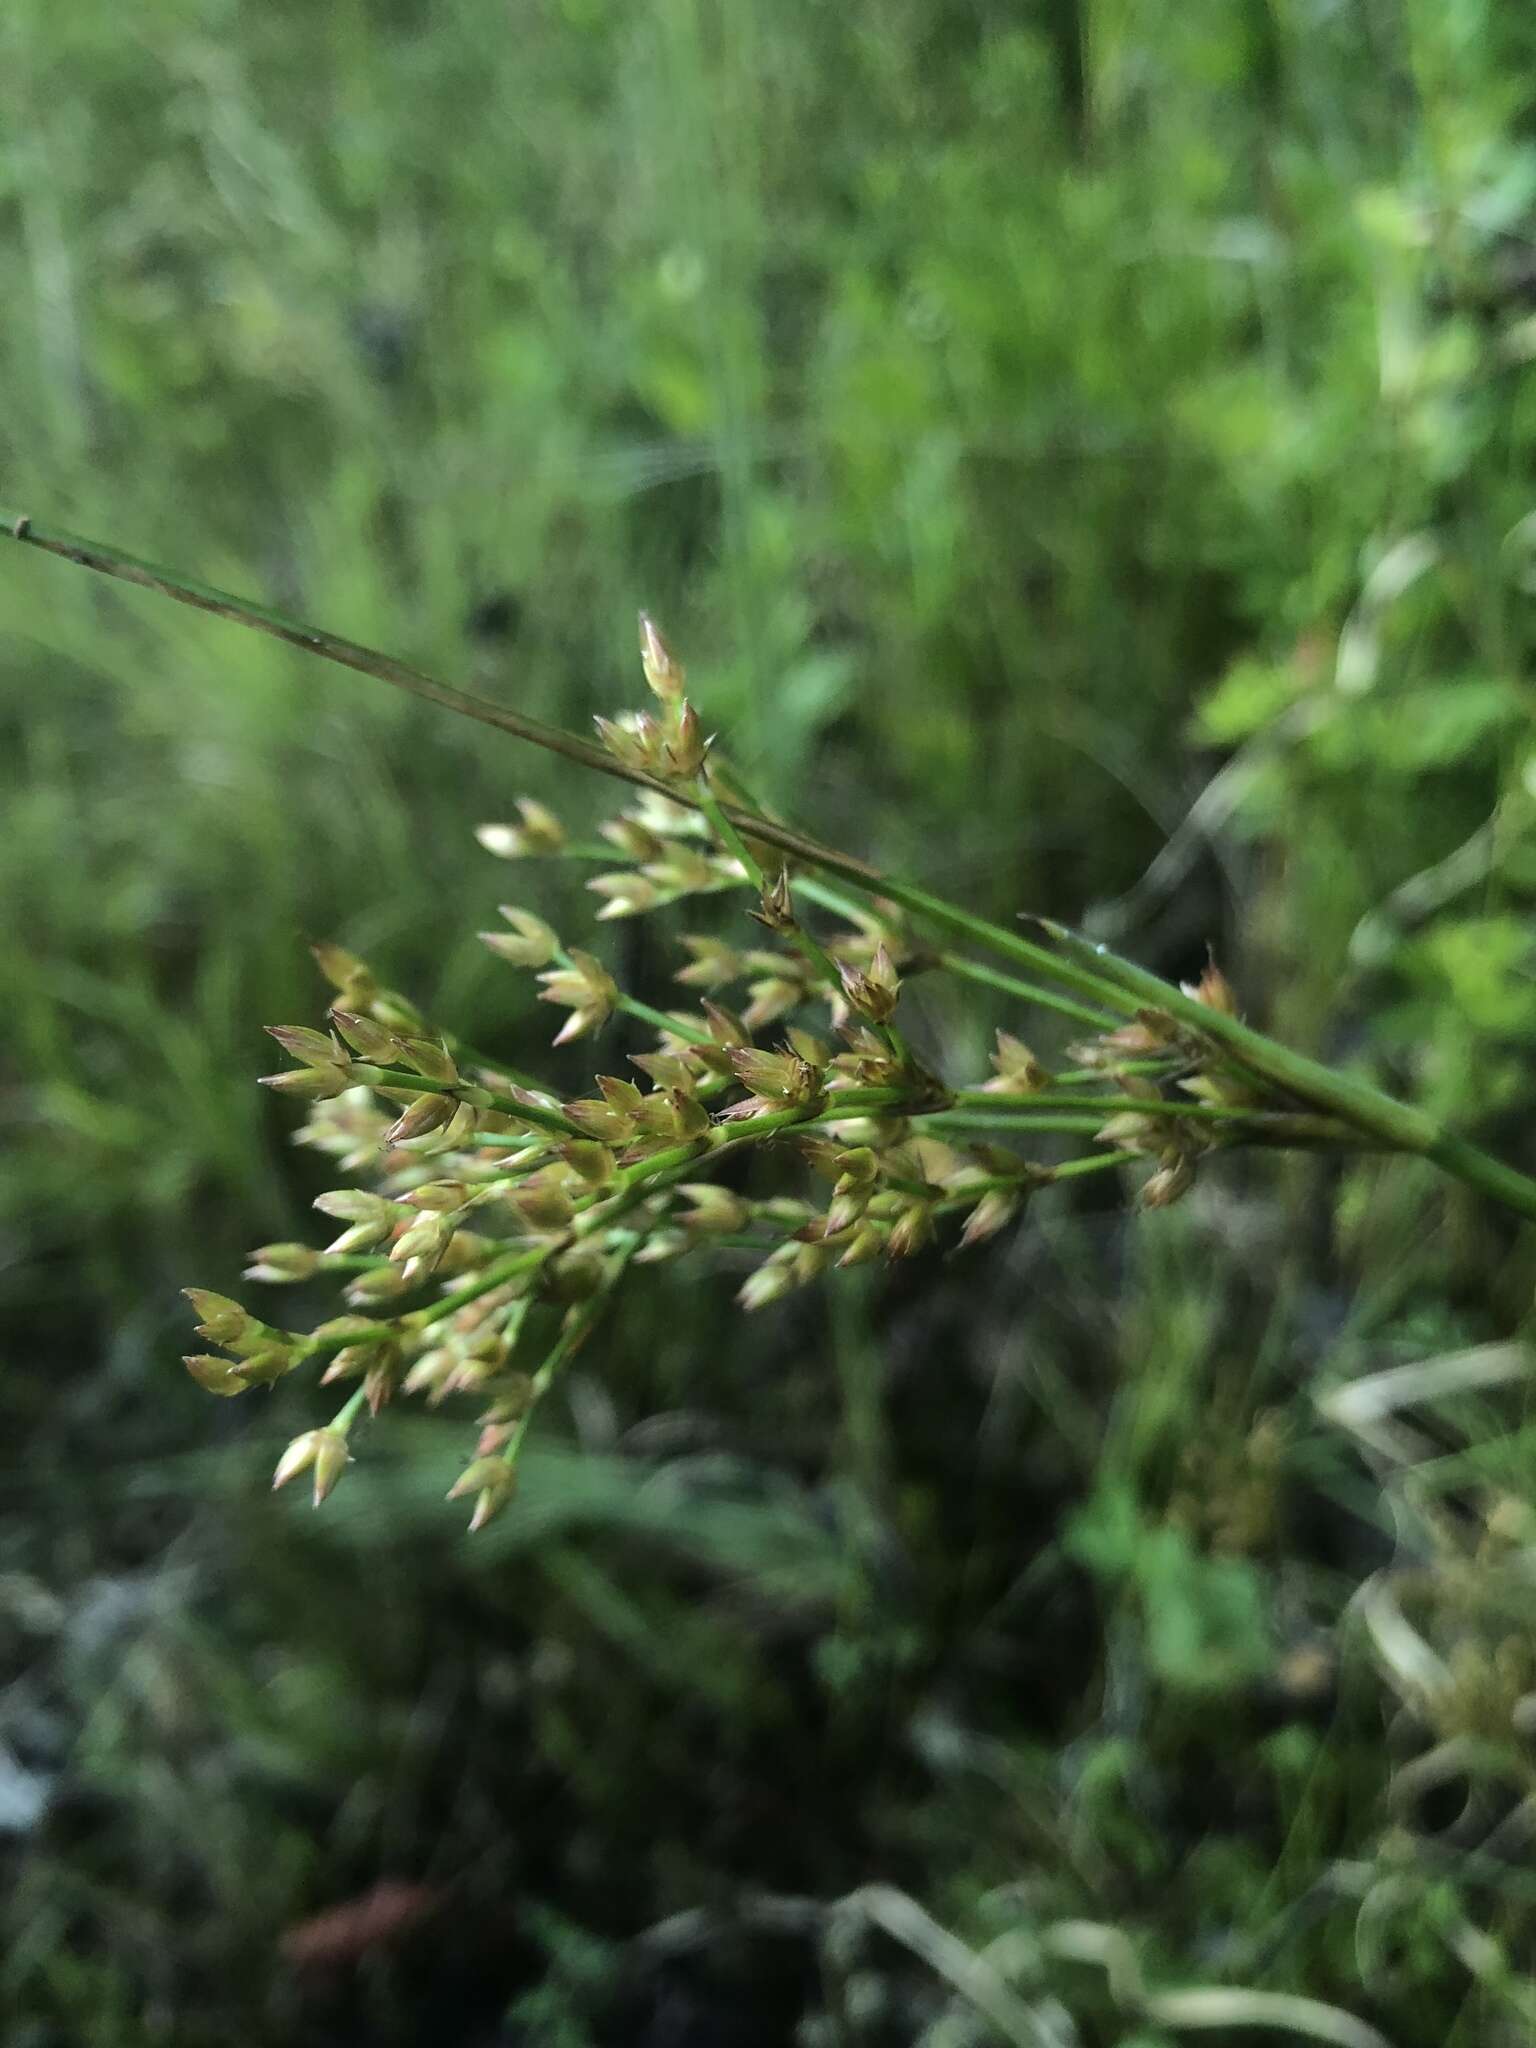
(1088, 970)
(805, 943)
(494, 1275)
(407, 1083)
(579, 1326)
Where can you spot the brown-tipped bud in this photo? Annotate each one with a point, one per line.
(381, 1284)
(357, 1205)
(268, 1364)
(843, 1212)
(429, 1057)
(341, 969)
(867, 1243)
(351, 1362)
(857, 1170)
(314, 1048)
(430, 1373)
(225, 1322)
(686, 745)
(594, 1162)
(1133, 1132)
(1016, 1071)
(666, 1069)
(531, 943)
(620, 1094)
(1213, 990)
(771, 998)
(625, 894)
(781, 1077)
(512, 1396)
(690, 1119)
(313, 1083)
(600, 1121)
(871, 993)
(573, 1277)
(715, 1211)
(543, 1203)
(813, 1050)
(773, 1279)
(366, 1036)
(322, 1450)
(634, 840)
(686, 871)
(995, 1209)
(426, 1114)
(492, 1481)
(1169, 1184)
(663, 670)
(634, 740)
(661, 1246)
(217, 1375)
(538, 832)
(911, 1230)
(426, 1240)
(438, 1195)
(725, 1028)
(279, 1263)
(370, 1216)
(586, 988)
(776, 907)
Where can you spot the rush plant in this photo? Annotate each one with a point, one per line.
(501, 1216)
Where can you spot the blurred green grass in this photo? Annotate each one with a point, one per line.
(1030, 424)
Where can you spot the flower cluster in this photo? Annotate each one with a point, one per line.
(502, 1215)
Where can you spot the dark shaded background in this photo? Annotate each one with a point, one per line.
(1085, 454)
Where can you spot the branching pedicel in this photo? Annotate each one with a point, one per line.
(501, 1210)
(495, 1196)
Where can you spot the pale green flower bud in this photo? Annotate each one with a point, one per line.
(322, 1450)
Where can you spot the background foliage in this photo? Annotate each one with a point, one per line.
(1085, 453)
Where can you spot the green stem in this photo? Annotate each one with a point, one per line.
(971, 1120)
(1094, 1162)
(1317, 1128)
(1026, 991)
(349, 1411)
(499, 1270)
(580, 1325)
(805, 943)
(108, 561)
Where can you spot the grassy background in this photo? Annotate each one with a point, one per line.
(1061, 439)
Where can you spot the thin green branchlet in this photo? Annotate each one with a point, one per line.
(503, 1216)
